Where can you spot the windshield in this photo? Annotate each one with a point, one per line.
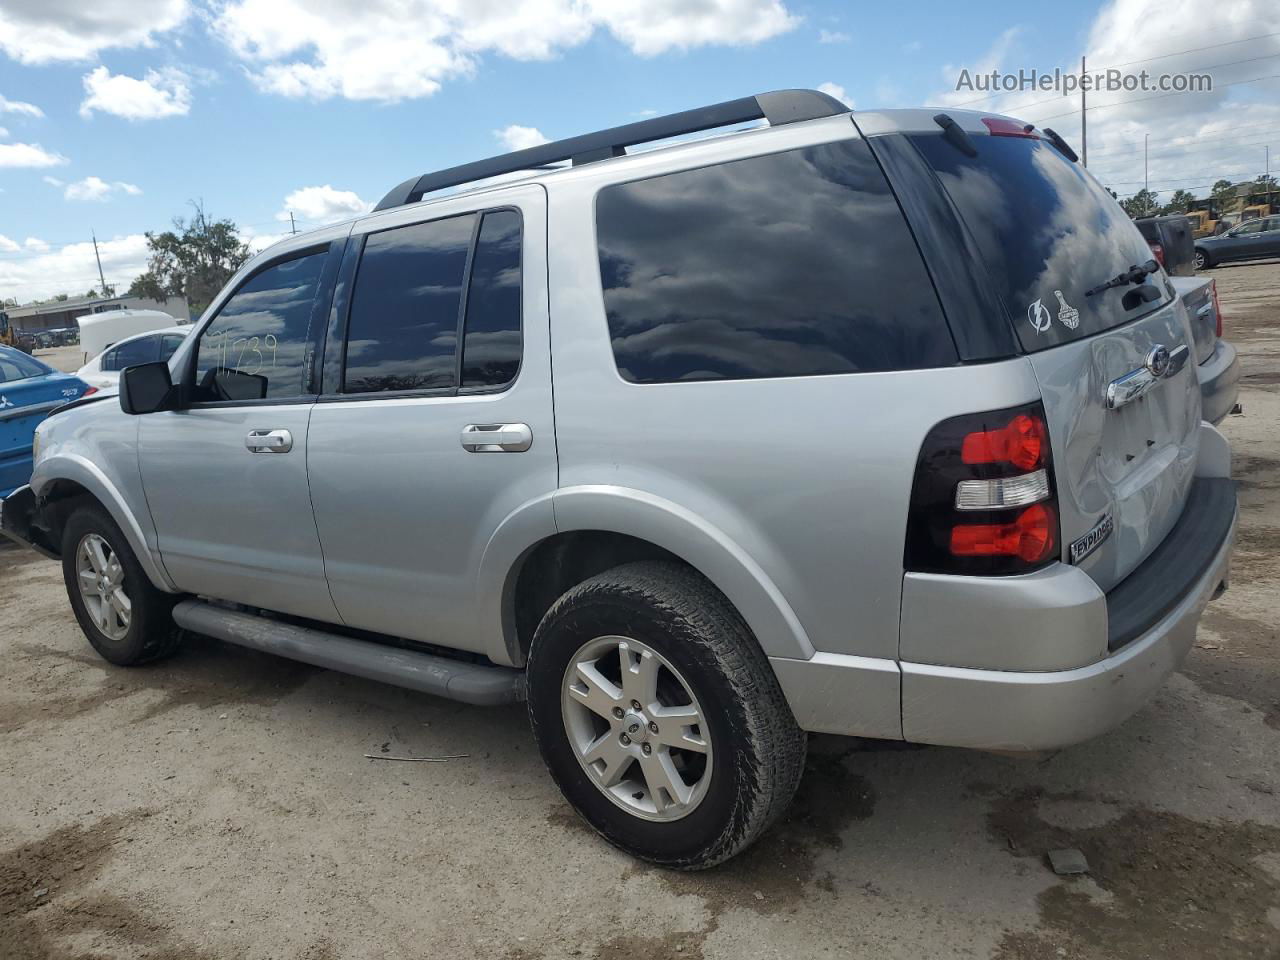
(1048, 233)
(16, 365)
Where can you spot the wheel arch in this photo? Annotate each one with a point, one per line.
(62, 481)
(585, 530)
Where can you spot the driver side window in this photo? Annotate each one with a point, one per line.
(258, 347)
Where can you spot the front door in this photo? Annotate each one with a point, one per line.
(226, 476)
(436, 422)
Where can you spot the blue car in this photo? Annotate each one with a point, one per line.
(28, 391)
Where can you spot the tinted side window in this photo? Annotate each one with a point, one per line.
(794, 264)
(491, 344)
(403, 328)
(169, 345)
(142, 350)
(257, 347)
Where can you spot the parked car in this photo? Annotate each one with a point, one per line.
(1251, 240)
(833, 448)
(104, 370)
(1172, 242)
(100, 330)
(1217, 366)
(29, 390)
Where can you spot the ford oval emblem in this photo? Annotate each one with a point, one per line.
(1158, 361)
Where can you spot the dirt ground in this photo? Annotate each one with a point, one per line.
(220, 805)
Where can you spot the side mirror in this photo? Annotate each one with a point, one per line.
(146, 388)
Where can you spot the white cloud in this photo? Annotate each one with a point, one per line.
(19, 107)
(95, 188)
(28, 155)
(160, 93)
(1195, 139)
(3, 133)
(7, 245)
(832, 36)
(837, 91)
(44, 31)
(72, 268)
(36, 244)
(52, 181)
(516, 137)
(321, 49)
(322, 205)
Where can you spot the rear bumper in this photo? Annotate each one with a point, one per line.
(1007, 710)
(1219, 382)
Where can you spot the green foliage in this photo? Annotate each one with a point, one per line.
(1180, 202)
(194, 260)
(1141, 204)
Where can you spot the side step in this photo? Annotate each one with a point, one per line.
(466, 682)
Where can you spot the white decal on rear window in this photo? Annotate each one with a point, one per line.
(1068, 315)
(1039, 317)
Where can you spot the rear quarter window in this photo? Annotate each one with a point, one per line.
(792, 264)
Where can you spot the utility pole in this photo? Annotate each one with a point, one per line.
(1146, 137)
(1084, 124)
(293, 227)
(102, 289)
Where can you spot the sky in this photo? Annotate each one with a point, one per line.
(116, 114)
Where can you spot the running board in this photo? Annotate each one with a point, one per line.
(485, 686)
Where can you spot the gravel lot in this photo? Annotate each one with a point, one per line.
(220, 805)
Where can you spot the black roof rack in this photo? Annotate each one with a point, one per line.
(778, 107)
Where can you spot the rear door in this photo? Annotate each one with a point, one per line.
(436, 421)
(1050, 236)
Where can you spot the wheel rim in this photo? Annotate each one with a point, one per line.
(101, 579)
(636, 728)
(1200, 261)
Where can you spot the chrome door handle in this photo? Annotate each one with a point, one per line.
(269, 441)
(496, 437)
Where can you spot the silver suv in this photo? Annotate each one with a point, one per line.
(876, 424)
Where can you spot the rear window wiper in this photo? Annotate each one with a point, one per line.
(1135, 274)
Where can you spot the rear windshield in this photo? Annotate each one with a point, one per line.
(1048, 233)
(15, 365)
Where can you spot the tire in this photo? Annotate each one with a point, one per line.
(733, 787)
(150, 633)
(1202, 261)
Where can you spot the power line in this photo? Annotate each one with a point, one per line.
(1161, 96)
(1116, 66)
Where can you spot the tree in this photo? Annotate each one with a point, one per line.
(1180, 202)
(1223, 193)
(194, 260)
(1141, 204)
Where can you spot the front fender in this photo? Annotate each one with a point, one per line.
(702, 545)
(85, 473)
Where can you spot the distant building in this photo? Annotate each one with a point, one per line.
(63, 313)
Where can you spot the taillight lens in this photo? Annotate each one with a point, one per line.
(88, 393)
(983, 501)
(1030, 537)
(1158, 251)
(1217, 309)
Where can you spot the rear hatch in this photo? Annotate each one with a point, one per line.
(28, 392)
(1049, 236)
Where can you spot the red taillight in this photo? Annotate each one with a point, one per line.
(1004, 127)
(89, 392)
(1020, 443)
(1158, 251)
(1217, 308)
(983, 500)
(1031, 537)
